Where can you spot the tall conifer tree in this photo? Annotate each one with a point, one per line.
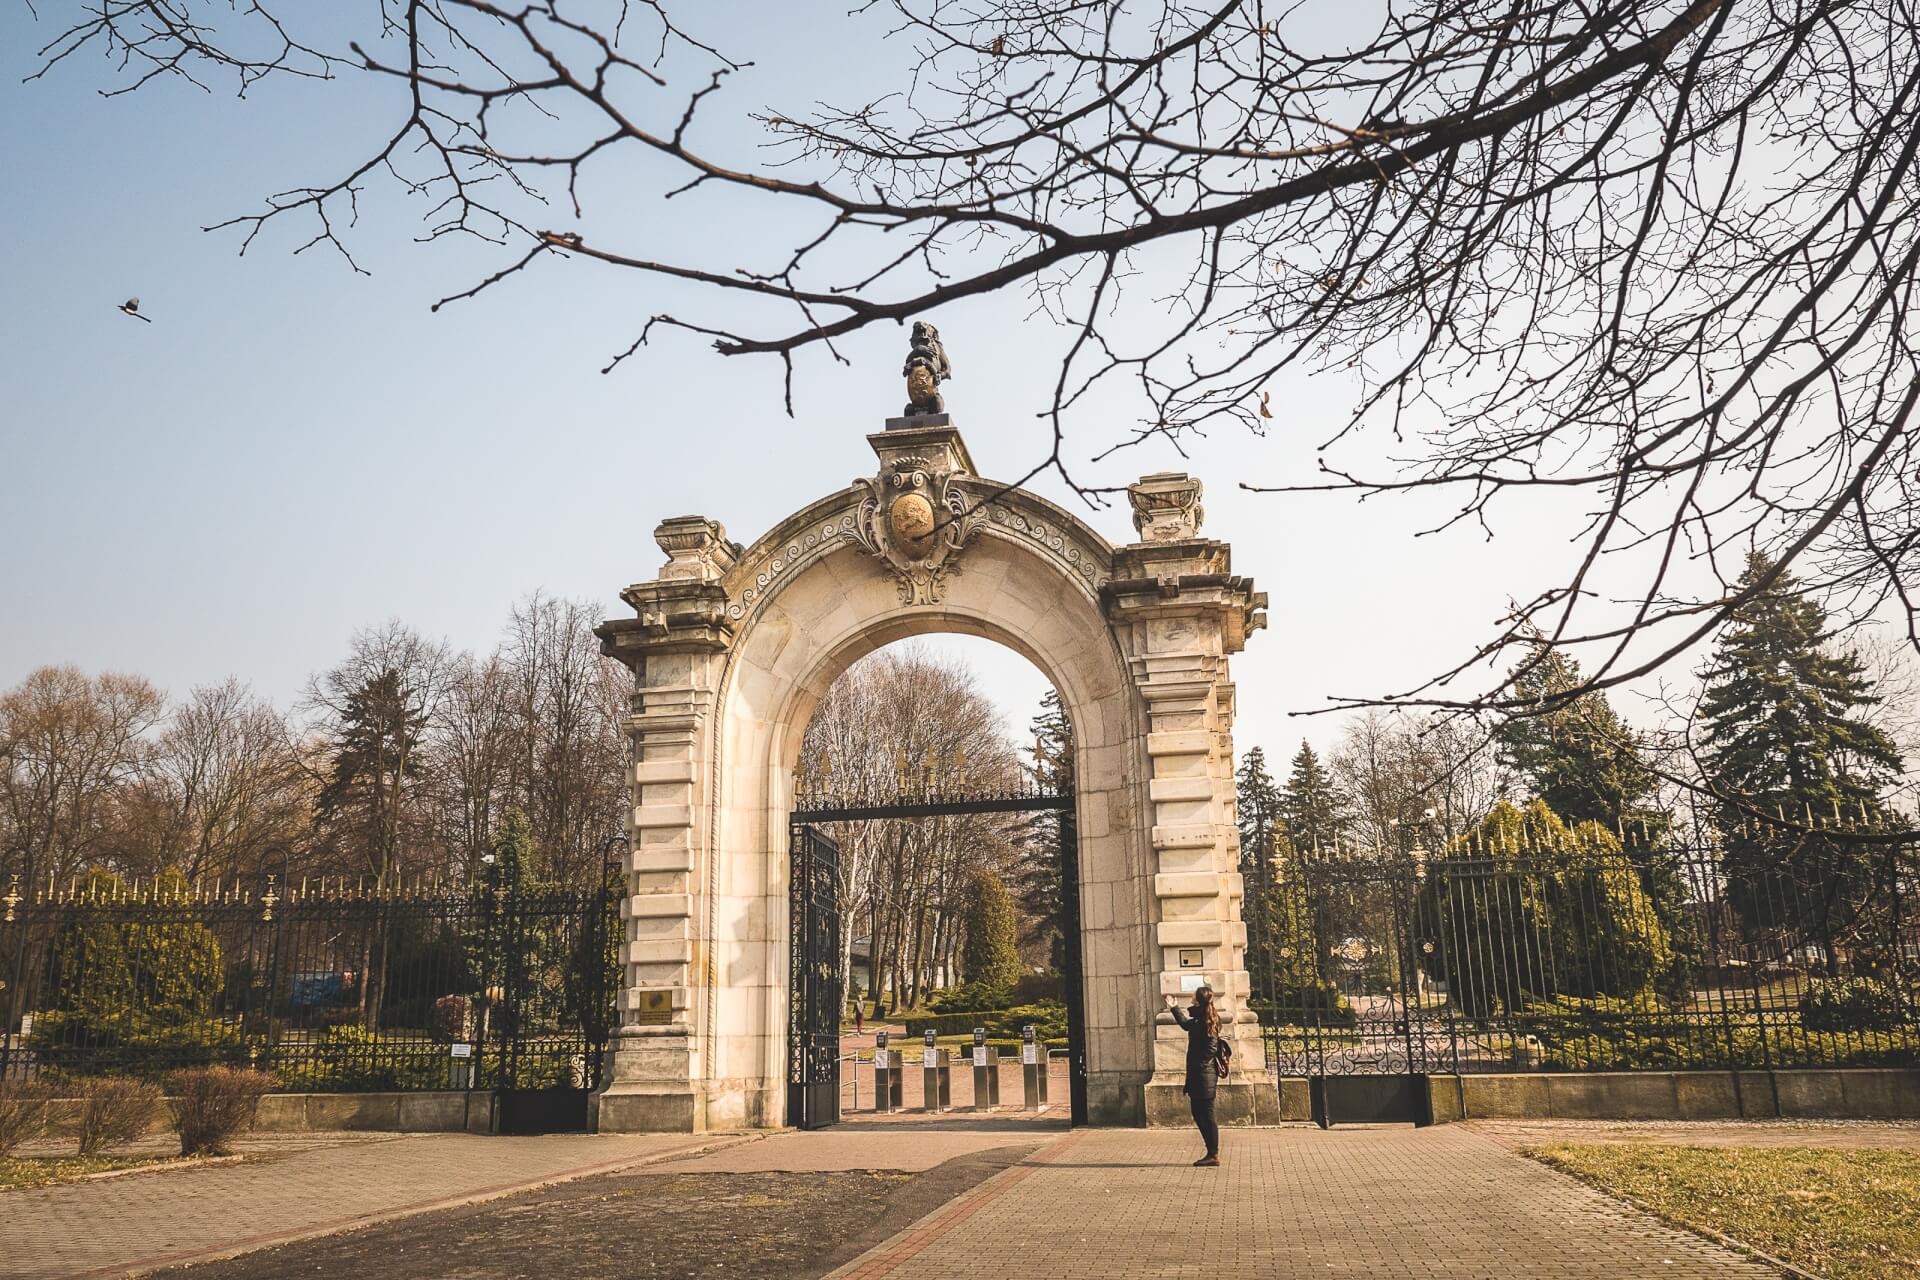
(1312, 806)
(1579, 755)
(1257, 809)
(1036, 879)
(1784, 735)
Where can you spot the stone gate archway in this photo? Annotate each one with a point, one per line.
(733, 647)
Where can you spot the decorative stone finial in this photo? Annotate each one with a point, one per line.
(697, 549)
(927, 367)
(1166, 506)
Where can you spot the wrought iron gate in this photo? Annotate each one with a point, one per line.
(1076, 998)
(555, 952)
(1345, 998)
(814, 996)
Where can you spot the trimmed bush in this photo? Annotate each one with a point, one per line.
(990, 953)
(23, 1113)
(1529, 907)
(1852, 1004)
(970, 998)
(114, 1110)
(352, 1059)
(1049, 1019)
(133, 1043)
(212, 1104)
(1318, 1004)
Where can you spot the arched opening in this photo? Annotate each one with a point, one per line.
(933, 923)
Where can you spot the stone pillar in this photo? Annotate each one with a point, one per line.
(675, 647)
(1180, 612)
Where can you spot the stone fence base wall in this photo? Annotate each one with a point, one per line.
(428, 1111)
(1841, 1093)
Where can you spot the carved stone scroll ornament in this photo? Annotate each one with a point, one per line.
(915, 519)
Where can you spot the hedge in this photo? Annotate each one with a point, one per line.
(1049, 1019)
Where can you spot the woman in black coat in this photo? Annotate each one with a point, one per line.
(1202, 1025)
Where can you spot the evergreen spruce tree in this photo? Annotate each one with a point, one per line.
(1313, 808)
(1257, 803)
(1784, 735)
(1257, 806)
(1036, 877)
(1578, 756)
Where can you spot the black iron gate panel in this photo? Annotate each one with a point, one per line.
(1071, 979)
(1345, 999)
(814, 995)
(556, 952)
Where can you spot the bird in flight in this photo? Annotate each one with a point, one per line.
(132, 307)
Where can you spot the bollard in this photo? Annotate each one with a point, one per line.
(887, 1075)
(986, 1072)
(936, 1078)
(1033, 1069)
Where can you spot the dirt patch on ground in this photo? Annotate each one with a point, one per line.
(652, 1225)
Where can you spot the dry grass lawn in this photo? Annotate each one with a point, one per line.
(1846, 1215)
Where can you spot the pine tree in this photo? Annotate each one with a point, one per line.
(1257, 803)
(1784, 735)
(1257, 807)
(1313, 808)
(1578, 756)
(376, 753)
(1036, 877)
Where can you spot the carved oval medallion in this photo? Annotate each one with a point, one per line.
(911, 520)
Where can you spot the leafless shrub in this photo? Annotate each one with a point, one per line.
(114, 1111)
(212, 1104)
(23, 1113)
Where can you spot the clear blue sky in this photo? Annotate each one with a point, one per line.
(291, 450)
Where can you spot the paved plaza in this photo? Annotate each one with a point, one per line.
(1000, 1196)
(1294, 1202)
(288, 1189)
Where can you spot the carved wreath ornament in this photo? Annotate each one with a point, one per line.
(915, 519)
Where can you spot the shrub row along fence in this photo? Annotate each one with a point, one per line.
(1544, 948)
(325, 985)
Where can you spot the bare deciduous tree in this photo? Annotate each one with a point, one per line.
(1410, 782)
(222, 790)
(68, 744)
(1653, 258)
(906, 714)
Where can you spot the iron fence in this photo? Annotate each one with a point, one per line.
(329, 984)
(1771, 947)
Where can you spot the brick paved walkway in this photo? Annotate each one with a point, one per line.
(1440, 1202)
(127, 1225)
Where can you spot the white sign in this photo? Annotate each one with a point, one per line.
(1191, 982)
(979, 1055)
(880, 1059)
(1030, 1054)
(460, 1050)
